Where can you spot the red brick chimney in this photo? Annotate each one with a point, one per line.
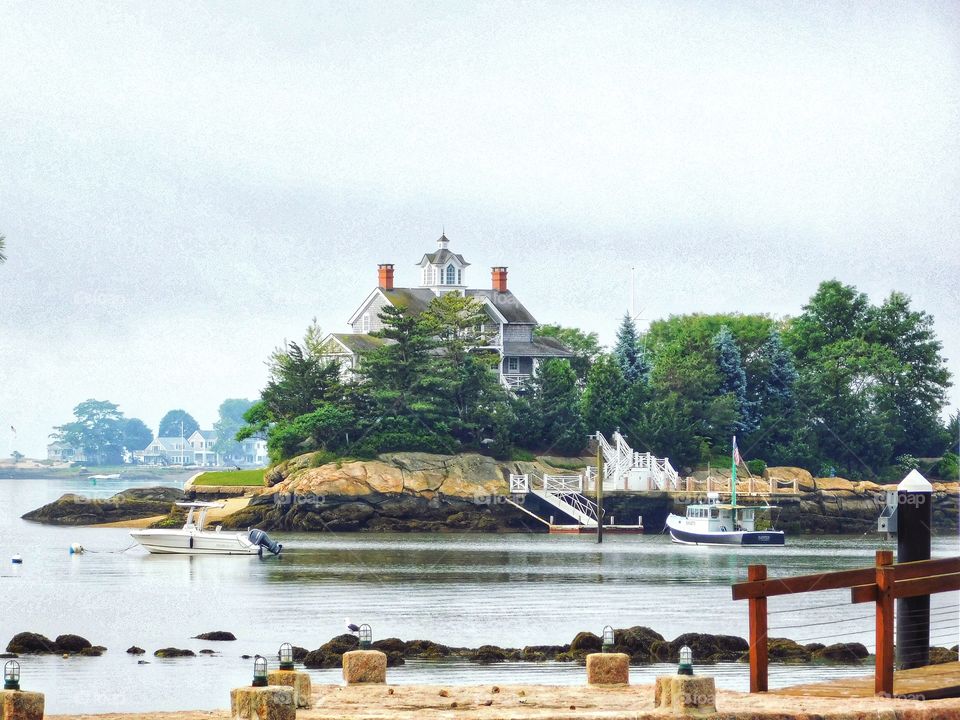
(385, 276)
(499, 277)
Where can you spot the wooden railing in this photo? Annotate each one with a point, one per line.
(881, 584)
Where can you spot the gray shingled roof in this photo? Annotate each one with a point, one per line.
(540, 347)
(359, 342)
(508, 305)
(441, 256)
(416, 300)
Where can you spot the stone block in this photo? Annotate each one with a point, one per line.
(272, 702)
(693, 694)
(608, 669)
(299, 681)
(661, 691)
(364, 666)
(19, 705)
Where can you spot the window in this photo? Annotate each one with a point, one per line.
(513, 365)
(451, 275)
(365, 324)
(459, 277)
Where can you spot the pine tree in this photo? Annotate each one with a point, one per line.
(555, 405)
(629, 352)
(733, 378)
(605, 399)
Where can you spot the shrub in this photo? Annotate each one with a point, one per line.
(756, 467)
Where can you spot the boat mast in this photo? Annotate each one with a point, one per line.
(733, 473)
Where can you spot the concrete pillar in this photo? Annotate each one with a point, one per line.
(364, 666)
(686, 694)
(914, 520)
(299, 681)
(608, 669)
(19, 705)
(270, 702)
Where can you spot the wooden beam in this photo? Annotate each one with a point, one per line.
(758, 633)
(926, 585)
(803, 583)
(883, 673)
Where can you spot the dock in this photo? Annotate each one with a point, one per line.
(931, 682)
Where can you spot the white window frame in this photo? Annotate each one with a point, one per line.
(450, 275)
(513, 365)
(365, 323)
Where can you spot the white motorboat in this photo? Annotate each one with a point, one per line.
(194, 539)
(712, 523)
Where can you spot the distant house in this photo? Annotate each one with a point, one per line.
(509, 325)
(167, 451)
(198, 449)
(63, 452)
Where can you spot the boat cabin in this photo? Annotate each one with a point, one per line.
(201, 519)
(716, 517)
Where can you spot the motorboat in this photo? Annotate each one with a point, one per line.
(713, 523)
(194, 539)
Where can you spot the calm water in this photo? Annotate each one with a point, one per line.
(511, 590)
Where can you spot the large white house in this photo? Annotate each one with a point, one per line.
(509, 326)
(198, 449)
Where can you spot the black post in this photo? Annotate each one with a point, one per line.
(914, 519)
(599, 491)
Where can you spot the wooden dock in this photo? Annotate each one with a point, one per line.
(932, 682)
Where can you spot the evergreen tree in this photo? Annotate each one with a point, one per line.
(177, 423)
(733, 378)
(604, 403)
(555, 407)
(629, 352)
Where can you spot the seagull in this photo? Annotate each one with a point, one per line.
(350, 626)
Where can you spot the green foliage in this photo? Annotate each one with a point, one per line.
(586, 346)
(136, 434)
(555, 409)
(756, 467)
(948, 469)
(604, 404)
(177, 423)
(98, 429)
(231, 420)
(519, 455)
(630, 353)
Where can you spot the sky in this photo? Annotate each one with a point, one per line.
(184, 185)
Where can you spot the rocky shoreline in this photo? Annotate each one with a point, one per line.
(419, 492)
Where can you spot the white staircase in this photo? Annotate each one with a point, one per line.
(564, 492)
(625, 469)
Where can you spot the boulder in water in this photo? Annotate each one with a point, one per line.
(72, 643)
(218, 635)
(172, 652)
(27, 643)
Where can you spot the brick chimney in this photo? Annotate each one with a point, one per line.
(499, 277)
(385, 276)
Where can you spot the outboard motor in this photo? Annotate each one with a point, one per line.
(259, 537)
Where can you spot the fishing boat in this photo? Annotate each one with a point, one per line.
(714, 523)
(194, 539)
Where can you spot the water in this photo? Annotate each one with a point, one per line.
(460, 590)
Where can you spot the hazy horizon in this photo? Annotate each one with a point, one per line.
(184, 186)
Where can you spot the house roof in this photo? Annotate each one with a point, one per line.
(442, 256)
(358, 342)
(539, 347)
(205, 434)
(416, 300)
(507, 305)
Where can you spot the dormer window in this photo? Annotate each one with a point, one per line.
(451, 275)
(365, 325)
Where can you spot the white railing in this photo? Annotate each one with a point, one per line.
(619, 460)
(562, 483)
(519, 483)
(514, 381)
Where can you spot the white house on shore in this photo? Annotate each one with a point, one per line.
(509, 327)
(58, 451)
(198, 449)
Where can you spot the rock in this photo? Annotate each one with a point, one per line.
(608, 669)
(425, 649)
(172, 652)
(299, 653)
(330, 654)
(73, 509)
(8, 655)
(27, 643)
(537, 653)
(134, 650)
(788, 475)
(395, 659)
(939, 655)
(143, 662)
(72, 643)
(585, 642)
(786, 650)
(834, 484)
(843, 652)
(219, 635)
(813, 647)
(706, 648)
(93, 651)
(637, 642)
(208, 651)
(489, 654)
(389, 645)
(364, 666)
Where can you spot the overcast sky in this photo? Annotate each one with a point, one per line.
(184, 185)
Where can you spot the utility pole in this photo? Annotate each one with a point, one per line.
(599, 482)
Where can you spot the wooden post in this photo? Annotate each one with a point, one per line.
(883, 674)
(758, 633)
(599, 492)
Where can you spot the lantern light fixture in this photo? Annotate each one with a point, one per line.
(686, 661)
(608, 639)
(365, 633)
(11, 675)
(260, 671)
(286, 656)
